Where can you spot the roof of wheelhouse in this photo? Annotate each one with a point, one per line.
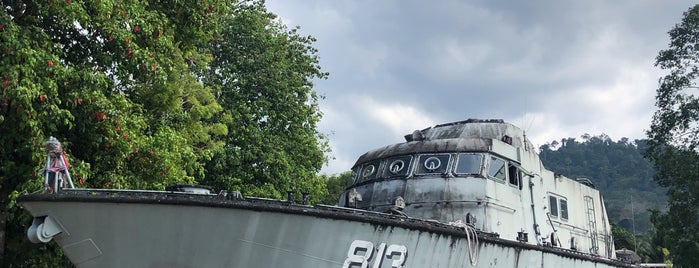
(463, 135)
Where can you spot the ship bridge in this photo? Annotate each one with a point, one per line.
(450, 172)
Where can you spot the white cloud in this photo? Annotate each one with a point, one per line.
(395, 66)
(399, 118)
(364, 123)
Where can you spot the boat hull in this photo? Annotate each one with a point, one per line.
(161, 229)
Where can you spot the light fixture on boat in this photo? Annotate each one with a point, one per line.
(470, 219)
(353, 196)
(522, 236)
(398, 206)
(399, 202)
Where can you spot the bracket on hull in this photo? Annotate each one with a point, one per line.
(43, 229)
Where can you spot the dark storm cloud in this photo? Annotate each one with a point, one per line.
(561, 68)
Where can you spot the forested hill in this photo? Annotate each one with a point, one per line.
(617, 169)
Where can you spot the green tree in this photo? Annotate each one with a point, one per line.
(622, 238)
(262, 74)
(336, 185)
(618, 170)
(146, 94)
(673, 140)
(118, 83)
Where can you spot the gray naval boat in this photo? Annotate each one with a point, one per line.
(465, 194)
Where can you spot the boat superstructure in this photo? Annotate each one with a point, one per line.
(487, 174)
(465, 194)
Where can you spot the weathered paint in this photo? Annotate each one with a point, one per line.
(416, 180)
(518, 202)
(163, 229)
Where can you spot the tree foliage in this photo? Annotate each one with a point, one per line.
(624, 178)
(618, 170)
(144, 94)
(674, 140)
(622, 238)
(336, 185)
(262, 74)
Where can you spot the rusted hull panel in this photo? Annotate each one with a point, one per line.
(164, 229)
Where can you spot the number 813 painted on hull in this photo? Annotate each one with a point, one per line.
(361, 253)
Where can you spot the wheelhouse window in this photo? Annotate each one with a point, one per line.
(564, 209)
(369, 171)
(497, 168)
(432, 164)
(514, 176)
(558, 207)
(397, 166)
(553, 206)
(355, 174)
(469, 164)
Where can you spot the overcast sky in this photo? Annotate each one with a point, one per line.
(557, 69)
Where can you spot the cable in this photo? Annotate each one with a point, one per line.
(473, 245)
(471, 241)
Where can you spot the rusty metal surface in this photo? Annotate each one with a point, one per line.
(441, 145)
(510, 193)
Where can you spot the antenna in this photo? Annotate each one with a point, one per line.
(525, 125)
(524, 116)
